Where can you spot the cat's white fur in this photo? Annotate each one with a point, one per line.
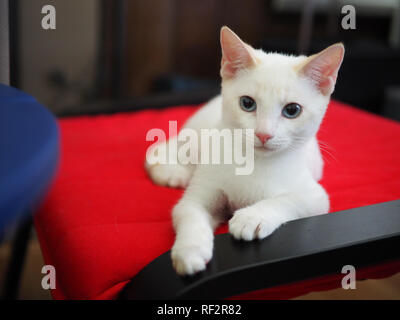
(283, 185)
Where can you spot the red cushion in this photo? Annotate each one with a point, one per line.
(104, 220)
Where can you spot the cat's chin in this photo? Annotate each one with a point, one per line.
(265, 150)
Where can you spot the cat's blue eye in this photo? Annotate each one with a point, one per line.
(291, 110)
(247, 103)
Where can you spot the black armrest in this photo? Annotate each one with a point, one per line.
(299, 250)
(154, 101)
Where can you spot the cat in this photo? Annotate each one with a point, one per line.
(284, 99)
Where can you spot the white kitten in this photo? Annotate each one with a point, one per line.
(283, 98)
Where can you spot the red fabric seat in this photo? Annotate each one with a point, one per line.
(104, 220)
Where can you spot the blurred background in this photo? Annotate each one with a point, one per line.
(112, 55)
(107, 56)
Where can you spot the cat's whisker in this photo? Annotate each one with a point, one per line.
(327, 150)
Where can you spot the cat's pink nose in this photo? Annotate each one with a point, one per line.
(263, 137)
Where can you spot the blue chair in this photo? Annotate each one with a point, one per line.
(29, 152)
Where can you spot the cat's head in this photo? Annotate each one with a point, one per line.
(283, 98)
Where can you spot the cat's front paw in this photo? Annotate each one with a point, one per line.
(188, 259)
(251, 223)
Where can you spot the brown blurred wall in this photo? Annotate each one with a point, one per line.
(183, 36)
(71, 48)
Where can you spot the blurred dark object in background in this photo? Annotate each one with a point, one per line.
(391, 107)
(143, 51)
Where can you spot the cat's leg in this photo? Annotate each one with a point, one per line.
(261, 219)
(175, 175)
(195, 219)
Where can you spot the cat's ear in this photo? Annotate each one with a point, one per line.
(322, 68)
(236, 55)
